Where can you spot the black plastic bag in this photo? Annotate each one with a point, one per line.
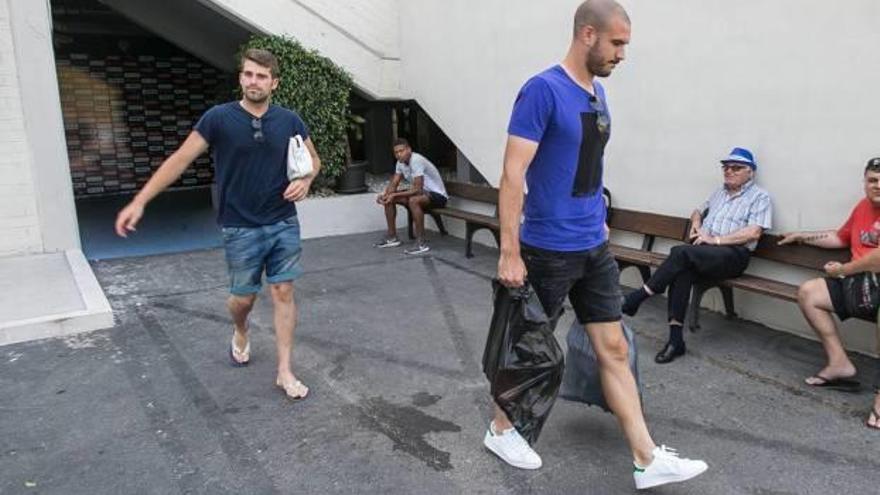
(581, 381)
(522, 359)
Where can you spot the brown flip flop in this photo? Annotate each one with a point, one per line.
(876, 425)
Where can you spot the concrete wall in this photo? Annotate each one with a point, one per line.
(361, 36)
(795, 80)
(216, 41)
(19, 224)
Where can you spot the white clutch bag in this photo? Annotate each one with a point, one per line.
(299, 160)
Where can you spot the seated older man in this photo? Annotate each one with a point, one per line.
(722, 242)
(850, 289)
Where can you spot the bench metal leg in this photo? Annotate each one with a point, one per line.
(409, 224)
(727, 294)
(470, 228)
(694, 310)
(438, 221)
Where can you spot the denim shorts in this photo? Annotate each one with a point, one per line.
(590, 279)
(275, 249)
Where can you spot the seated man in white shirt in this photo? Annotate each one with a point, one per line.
(426, 191)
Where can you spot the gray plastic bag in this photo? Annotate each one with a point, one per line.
(580, 380)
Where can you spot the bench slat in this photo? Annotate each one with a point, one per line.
(474, 192)
(636, 256)
(799, 255)
(469, 216)
(649, 223)
(764, 286)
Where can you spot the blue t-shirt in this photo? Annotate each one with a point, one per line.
(564, 209)
(251, 172)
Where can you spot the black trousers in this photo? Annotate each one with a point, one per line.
(688, 263)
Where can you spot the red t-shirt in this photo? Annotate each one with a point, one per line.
(861, 232)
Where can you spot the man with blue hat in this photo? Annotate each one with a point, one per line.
(724, 232)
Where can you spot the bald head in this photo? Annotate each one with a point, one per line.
(597, 13)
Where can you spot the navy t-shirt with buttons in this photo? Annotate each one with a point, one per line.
(250, 162)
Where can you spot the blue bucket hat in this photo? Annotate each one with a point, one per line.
(742, 156)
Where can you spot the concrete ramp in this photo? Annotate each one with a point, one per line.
(50, 295)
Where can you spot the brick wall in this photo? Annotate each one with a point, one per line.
(124, 114)
(128, 99)
(19, 223)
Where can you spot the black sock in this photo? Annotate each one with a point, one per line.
(676, 336)
(633, 300)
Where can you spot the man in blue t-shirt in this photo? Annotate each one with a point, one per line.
(249, 142)
(556, 140)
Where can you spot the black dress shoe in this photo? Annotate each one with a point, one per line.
(628, 306)
(669, 353)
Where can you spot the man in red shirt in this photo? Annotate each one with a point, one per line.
(849, 289)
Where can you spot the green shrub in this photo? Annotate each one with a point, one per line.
(318, 90)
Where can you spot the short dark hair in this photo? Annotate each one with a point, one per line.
(873, 165)
(597, 13)
(401, 142)
(263, 58)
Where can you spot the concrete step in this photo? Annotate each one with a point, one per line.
(50, 295)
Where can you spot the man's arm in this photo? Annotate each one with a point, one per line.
(299, 188)
(517, 156)
(696, 225)
(868, 263)
(167, 174)
(386, 196)
(417, 187)
(745, 235)
(827, 239)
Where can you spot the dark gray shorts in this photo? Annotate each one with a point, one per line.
(435, 200)
(590, 279)
(855, 296)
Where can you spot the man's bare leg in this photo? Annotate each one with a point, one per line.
(873, 420)
(619, 387)
(391, 219)
(284, 308)
(417, 205)
(239, 308)
(815, 303)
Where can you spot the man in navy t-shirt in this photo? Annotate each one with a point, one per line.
(556, 140)
(249, 141)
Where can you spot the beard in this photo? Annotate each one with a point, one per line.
(257, 98)
(596, 64)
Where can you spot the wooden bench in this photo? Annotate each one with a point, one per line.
(473, 221)
(801, 256)
(652, 226)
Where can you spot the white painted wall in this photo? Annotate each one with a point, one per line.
(794, 80)
(19, 223)
(361, 36)
(41, 111)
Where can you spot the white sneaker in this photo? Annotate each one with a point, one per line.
(388, 242)
(512, 448)
(667, 467)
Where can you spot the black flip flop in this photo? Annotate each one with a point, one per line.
(841, 384)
